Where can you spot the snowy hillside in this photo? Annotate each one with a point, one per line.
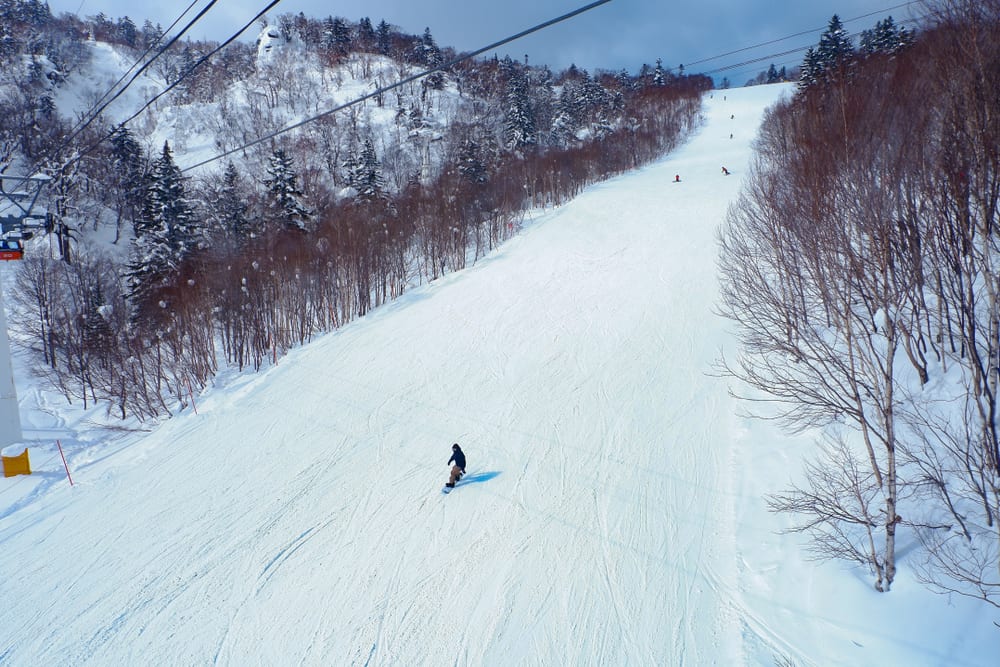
(612, 514)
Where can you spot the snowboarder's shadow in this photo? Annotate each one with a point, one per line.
(479, 477)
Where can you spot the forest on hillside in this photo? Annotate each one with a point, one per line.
(293, 233)
(861, 265)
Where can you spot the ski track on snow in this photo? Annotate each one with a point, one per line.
(299, 520)
(612, 514)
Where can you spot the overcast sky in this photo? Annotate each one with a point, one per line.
(622, 34)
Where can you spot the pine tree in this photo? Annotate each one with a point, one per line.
(34, 12)
(593, 97)
(834, 51)
(97, 332)
(366, 175)
(543, 97)
(151, 34)
(166, 233)
(183, 75)
(519, 125)
(565, 123)
(471, 163)
(429, 55)
(885, 37)
(127, 158)
(659, 74)
(835, 46)
(569, 114)
(8, 44)
(809, 72)
(284, 196)
(327, 41)
(337, 36)
(366, 34)
(127, 175)
(230, 209)
(350, 167)
(127, 33)
(383, 37)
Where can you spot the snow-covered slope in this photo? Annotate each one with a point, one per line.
(612, 514)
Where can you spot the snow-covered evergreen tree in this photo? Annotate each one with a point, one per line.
(284, 196)
(429, 55)
(127, 175)
(471, 162)
(98, 335)
(810, 71)
(151, 34)
(594, 98)
(885, 37)
(659, 74)
(567, 117)
(365, 174)
(126, 152)
(126, 32)
(33, 12)
(366, 33)
(166, 233)
(383, 37)
(327, 40)
(833, 52)
(230, 210)
(835, 46)
(519, 118)
(336, 36)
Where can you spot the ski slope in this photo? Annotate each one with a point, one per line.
(612, 514)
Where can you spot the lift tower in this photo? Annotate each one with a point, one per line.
(18, 222)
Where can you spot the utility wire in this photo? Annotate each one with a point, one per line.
(139, 60)
(424, 73)
(201, 61)
(797, 34)
(82, 153)
(783, 53)
(135, 76)
(402, 82)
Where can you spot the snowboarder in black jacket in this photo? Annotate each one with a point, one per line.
(457, 470)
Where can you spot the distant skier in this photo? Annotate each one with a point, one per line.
(457, 470)
(725, 171)
(677, 178)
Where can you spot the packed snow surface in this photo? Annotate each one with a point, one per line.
(612, 514)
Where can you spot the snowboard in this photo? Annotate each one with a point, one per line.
(448, 489)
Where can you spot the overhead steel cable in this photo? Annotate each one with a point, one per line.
(140, 59)
(797, 34)
(800, 49)
(401, 82)
(201, 60)
(173, 40)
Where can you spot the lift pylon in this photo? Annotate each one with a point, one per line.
(18, 222)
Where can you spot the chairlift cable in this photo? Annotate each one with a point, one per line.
(402, 82)
(94, 145)
(68, 141)
(138, 60)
